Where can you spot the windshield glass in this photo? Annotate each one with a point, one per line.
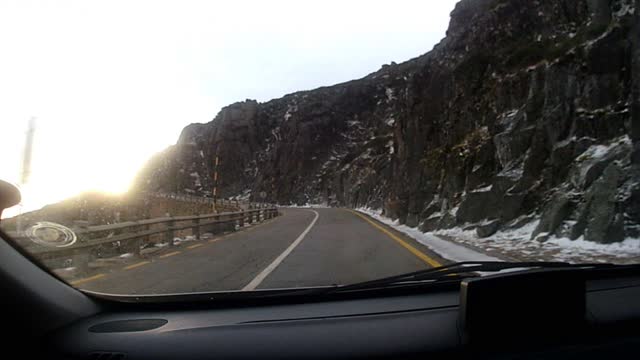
(196, 146)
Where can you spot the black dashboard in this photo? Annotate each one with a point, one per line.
(383, 326)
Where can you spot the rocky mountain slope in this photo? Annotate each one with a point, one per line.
(527, 110)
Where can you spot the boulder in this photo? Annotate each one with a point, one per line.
(488, 228)
(511, 206)
(412, 220)
(479, 205)
(553, 215)
(590, 165)
(603, 225)
(542, 237)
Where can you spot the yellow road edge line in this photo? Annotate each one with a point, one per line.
(133, 266)
(194, 246)
(422, 256)
(82, 281)
(169, 254)
(214, 240)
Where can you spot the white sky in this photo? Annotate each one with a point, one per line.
(112, 82)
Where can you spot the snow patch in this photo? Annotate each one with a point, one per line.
(600, 151)
(276, 134)
(389, 93)
(512, 173)
(290, 110)
(454, 211)
(625, 9)
(482, 189)
(185, 239)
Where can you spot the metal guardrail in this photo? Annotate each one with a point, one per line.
(222, 202)
(134, 233)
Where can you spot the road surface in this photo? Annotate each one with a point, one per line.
(303, 247)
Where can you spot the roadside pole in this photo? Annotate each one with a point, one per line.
(215, 184)
(26, 166)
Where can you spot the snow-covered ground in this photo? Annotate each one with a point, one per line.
(516, 245)
(447, 249)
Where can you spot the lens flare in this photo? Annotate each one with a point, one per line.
(51, 234)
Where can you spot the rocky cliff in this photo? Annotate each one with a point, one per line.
(526, 110)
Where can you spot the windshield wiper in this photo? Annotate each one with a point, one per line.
(457, 272)
(451, 273)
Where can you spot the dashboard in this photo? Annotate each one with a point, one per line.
(390, 326)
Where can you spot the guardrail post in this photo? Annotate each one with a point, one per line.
(81, 262)
(241, 219)
(136, 247)
(195, 231)
(170, 233)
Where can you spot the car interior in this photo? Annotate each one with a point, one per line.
(541, 312)
(405, 180)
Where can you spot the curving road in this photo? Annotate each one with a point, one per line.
(304, 247)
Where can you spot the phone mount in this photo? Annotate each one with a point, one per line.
(509, 309)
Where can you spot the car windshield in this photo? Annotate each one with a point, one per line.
(197, 146)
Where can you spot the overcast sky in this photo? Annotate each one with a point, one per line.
(112, 82)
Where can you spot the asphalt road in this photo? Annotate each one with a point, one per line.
(304, 247)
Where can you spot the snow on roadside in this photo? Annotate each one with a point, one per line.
(306, 206)
(622, 249)
(444, 248)
(177, 240)
(516, 244)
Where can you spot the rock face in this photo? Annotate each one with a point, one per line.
(526, 107)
